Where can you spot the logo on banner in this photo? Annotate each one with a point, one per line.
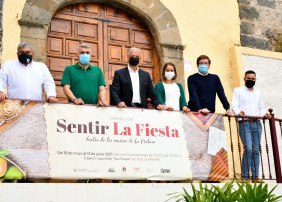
(136, 169)
(148, 170)
(165, 170)
(111, 170)
(123, 169)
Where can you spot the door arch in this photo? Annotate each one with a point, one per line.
(109, 31)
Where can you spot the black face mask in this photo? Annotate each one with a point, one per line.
(250, 83)
(133, 61)
(25, 58)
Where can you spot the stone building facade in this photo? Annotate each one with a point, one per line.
(261, 24)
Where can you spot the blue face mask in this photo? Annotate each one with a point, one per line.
(84, 59)
(203, 69)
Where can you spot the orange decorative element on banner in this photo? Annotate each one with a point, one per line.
(219, 166)
(203, 121)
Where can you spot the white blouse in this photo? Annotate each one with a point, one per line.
(172, 95)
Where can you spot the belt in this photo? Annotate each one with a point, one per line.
(136, 104)
(249, 120)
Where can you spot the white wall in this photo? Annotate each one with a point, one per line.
(269, 82)
(119, 192)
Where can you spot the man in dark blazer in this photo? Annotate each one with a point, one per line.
(132, 86)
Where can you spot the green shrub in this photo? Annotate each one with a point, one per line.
(246, 192)
(255, 193)
(204, 194)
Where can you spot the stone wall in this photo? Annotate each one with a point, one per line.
(261, 24)
(1, 30)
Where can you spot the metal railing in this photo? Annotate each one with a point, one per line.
(266, 159)
(246, 156)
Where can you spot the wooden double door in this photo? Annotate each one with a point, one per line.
(109, 31)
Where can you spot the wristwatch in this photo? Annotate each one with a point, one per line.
(74, 99)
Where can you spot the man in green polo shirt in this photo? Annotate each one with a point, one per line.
(82, 82)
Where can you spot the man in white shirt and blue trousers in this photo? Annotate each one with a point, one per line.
(247, 101)
(24, 78)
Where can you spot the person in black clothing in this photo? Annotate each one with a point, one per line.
(203, 88)
(132, 85)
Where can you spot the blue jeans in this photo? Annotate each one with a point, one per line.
(254, 164)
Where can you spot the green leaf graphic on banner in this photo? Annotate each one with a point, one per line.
(4, 152)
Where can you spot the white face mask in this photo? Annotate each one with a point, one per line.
(169, 75)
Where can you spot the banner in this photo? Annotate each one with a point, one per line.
(66, 141)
